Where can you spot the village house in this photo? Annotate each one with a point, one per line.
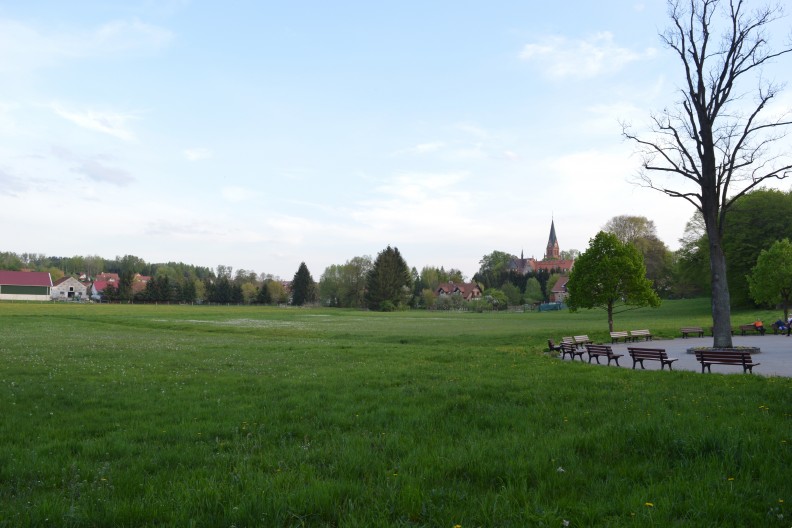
(467, 291)
(69, 289)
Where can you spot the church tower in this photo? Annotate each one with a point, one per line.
(553, 251)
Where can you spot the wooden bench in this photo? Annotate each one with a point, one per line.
(686, 330)
(569, 340)
(615, 336)
(707, 358)
(582, 340)
(639, 355)
(778, 329)
(552, 346)
(572, 350)
(595, 351)
(637, 334)
(751, 328)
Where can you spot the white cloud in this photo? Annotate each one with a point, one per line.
(113, 124)
(95, 168)
(560, 57)
(197, 154)
(101, 172)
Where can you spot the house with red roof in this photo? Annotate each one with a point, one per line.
(467, 291)
(559, 292)
(25, 285)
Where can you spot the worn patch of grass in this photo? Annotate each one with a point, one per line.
(180, 415)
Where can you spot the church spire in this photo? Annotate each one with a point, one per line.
(553, 252)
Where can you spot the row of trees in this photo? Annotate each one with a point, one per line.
(755, 223)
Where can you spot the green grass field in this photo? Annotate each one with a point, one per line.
(241, 416)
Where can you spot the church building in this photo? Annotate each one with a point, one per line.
(552, 261)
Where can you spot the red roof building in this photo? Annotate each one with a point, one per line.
(25, 285)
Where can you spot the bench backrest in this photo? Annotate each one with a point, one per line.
(581, 338)
(567, 340)
(692, 329)
(640, 332)
(619, 334)
(568, 347)
(599, 349)
(736, 357)
(647, 352)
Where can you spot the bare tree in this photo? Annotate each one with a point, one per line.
(721, 145)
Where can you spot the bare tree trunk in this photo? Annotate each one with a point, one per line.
(721, 300)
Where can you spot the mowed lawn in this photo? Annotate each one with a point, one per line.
(246, 416)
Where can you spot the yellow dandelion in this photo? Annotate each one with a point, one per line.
(649, 505)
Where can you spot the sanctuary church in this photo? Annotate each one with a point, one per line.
(552, 261)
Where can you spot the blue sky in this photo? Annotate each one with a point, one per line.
(261, 134)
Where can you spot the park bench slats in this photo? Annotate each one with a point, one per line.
(688, 330)
(572, 350)
(707, 358)
(639, 355)
(582, 340)
(615, 336)
(595, 351)
(751, 328)
(638, 334)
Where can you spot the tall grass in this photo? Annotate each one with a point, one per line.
(238, 416)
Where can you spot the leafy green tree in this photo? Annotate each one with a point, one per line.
(492, 268)
(330, 286)
(642, 233)
(353, 279)
(303, 286)
(496, 298)
(345, 285)
(754, 223)
(264, 295)
(428, 298)
(512, 293)
(569, 254)
(691, 276)
(388, 281)
(770, 280)
(533, 291)
(609, 274)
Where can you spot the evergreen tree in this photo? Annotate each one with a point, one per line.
(389, 281)
(303, 287)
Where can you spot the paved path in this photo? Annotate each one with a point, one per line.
(775, 354)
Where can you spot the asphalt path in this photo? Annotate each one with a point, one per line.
(775, 354)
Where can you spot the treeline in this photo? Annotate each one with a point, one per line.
(754, 223)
